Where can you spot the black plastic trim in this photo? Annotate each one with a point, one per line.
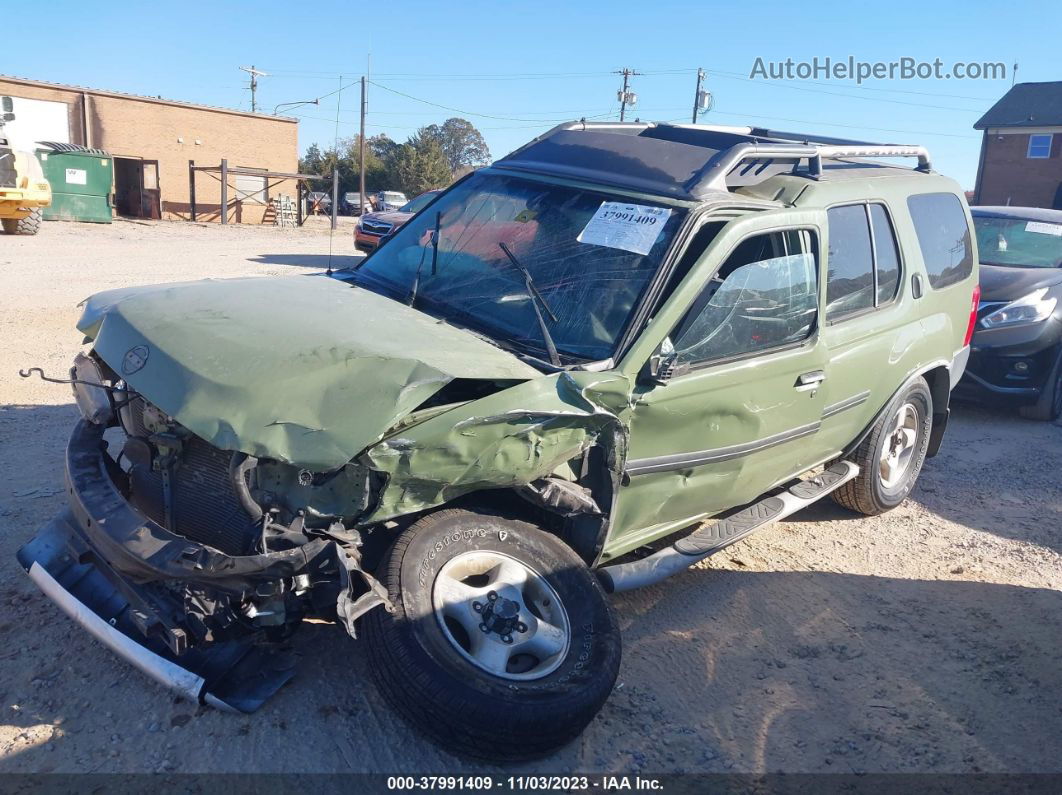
(847, 403)
(664, 463)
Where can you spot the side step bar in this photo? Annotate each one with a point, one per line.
(710, 538)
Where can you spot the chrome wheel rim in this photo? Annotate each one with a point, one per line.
(501, 615)
(899, 447)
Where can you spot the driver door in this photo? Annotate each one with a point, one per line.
(742, 406)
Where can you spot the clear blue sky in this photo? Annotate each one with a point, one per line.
(515, 69)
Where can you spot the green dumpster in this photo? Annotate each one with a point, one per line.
(81, 181)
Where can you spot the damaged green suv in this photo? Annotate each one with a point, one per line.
(458, 448)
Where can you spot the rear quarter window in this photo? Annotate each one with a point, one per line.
(943, 236)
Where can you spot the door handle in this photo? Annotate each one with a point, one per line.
(812, 378)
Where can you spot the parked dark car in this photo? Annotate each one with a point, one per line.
(373, 227)
(351, 203)
(1016, 353)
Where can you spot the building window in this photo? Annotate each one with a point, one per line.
(251, 189)
(1039, 146)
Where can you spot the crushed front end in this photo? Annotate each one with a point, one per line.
(193, 562)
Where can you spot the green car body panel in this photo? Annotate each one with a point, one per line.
(331, 377)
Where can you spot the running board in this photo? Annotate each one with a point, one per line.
(710, 538)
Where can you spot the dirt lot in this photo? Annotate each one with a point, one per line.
(925, 640)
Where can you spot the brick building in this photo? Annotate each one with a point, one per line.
(152, 140)
(1021, 148)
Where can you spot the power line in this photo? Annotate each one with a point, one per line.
(459, 110)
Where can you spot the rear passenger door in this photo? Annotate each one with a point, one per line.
(867, 325)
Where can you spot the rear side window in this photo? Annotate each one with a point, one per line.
(943, 236)
(850, 274)
(886, 256)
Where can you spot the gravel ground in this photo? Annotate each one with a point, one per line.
(924, 640)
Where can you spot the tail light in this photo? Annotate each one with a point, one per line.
(973, 315)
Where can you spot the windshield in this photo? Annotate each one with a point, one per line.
(419, 203)
(1017, 242)
(590, 256)
(394, 198)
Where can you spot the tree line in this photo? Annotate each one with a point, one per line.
(433, 157)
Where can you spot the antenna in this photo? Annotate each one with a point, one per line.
(255, 74)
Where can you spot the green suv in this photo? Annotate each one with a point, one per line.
(616, 335)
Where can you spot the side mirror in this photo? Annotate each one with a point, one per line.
(9, 117)
(664, 364)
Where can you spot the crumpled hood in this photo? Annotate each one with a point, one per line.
(302, 369)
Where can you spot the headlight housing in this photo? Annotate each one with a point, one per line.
(1032, 308)
(92, 395)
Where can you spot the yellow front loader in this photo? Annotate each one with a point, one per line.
(23, 188)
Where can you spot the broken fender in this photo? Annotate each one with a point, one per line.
(488, 444)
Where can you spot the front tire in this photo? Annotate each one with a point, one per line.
(1048, 407)
(891, 457)
(29, 225)
(502, 645)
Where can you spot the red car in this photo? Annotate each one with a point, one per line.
(372, 227)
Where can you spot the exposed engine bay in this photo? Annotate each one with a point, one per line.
(240, 506)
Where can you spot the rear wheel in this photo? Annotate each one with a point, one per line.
(891, 456)
(502, 645)
(29, 225)
(1049, 405)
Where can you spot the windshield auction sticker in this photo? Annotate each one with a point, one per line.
(1044, 229)
(630, 227)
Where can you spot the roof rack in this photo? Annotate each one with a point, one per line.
(664, 157)
(713, 175)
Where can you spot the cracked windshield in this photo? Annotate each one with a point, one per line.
(550, 270)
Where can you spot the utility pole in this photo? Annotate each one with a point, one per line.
(255, 74)
(702, 100)
(625, 95)
(361, 146)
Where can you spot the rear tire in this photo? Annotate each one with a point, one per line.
(891, 456)
(432, 659)
(29, 225)
(1048, 407)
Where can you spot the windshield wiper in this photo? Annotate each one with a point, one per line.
(538, 303)
(434, 260)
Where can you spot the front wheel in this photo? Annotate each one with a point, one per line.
(29, 225)
(891, 457)
(502, 645)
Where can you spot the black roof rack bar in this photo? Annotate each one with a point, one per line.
(713, 175)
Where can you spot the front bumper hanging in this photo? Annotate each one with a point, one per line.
(107, 566)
